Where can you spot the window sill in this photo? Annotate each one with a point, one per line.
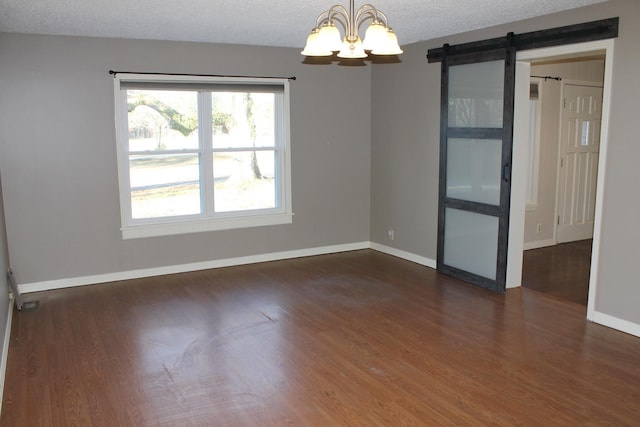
(203, 225)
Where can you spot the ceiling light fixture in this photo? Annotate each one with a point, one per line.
(379, 39)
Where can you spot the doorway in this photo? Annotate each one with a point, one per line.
(517, 50)
(527, 59)
(563, 147)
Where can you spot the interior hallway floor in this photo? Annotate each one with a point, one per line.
(561, 271)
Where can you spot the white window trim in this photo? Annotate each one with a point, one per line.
(137, 228)
(533, 168)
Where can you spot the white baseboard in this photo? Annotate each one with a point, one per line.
(409, 256)
(539, 244)
(616, 323)
(5, 349)
(48, 285)
(183, 268)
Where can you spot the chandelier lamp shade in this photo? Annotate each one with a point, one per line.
(325, 38)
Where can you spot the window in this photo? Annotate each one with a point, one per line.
(201, 153)
(533, 144)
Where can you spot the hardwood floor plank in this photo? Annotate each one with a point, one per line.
(352, 339)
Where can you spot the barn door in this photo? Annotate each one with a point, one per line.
(476, 139)
(475, 166)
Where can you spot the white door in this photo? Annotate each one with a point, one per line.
(579, 151)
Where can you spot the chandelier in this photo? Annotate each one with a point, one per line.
(325, 39)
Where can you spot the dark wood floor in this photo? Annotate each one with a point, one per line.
(353, 339)
(561, 271)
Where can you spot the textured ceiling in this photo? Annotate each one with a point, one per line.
(256, 22)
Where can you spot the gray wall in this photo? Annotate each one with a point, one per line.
(405, 147)
(405, 132)
(59, 161)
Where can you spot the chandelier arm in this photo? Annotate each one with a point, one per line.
(343, 21)
(340, 14)
(372, 12)
(364, 10)
(329, 14)
(368, 11)
(338, 9)
(379, 14)
(361, 18)
(324, 16)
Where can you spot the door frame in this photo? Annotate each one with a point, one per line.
(516, 225)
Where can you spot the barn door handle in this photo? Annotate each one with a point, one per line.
(506, 172)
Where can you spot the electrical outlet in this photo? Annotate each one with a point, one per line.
(390, 234)
(539, 228)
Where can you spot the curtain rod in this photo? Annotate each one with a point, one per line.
(198, 75)
(548, 78)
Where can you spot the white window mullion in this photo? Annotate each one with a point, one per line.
(164, 152)
(247, 149)
(534, 144)
(205, 130)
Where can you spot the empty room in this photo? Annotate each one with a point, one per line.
(319, 213)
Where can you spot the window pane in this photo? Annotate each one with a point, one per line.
(471, 242)
(243, 119)
(244, 180)
(164, 185)
(584, 141)
(476, 94)
(162, 120)
(473, 169)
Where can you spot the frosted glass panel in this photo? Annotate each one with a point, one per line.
(473, 170)
(476, 94)
(471, 242)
